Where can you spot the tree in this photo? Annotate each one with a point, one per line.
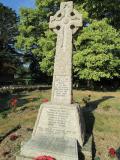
(34, 34)
(8, 31)
(97, 52)
(100, 39)
(99, 9)
(8, 26)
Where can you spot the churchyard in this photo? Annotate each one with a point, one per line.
(104, 117)
(63, 45)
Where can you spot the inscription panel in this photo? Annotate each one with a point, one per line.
(58, 121)
(61, 86)
(62, 89)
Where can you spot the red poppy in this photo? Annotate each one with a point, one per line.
(13, 102)
(45, 100)
(112, 152)
(44, 158)
(13, 137)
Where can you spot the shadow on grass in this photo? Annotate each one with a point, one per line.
(4, 98)
(90, 120)
(21, 101)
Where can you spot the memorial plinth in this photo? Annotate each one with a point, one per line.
(59, 121)
(59, 127)
(59, 148)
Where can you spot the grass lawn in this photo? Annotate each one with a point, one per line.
(103, 115)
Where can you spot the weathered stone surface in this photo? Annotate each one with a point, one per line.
(59, 148)
(64, 23)
(62, 89)
(60, 125)
(60, 121)
(19, 157)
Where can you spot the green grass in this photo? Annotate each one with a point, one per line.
(107, 123)
(100, 99)
(105, 111)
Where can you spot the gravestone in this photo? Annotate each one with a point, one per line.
(59, 128)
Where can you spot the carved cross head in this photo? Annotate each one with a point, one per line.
(66, 17)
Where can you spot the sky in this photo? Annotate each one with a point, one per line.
(17, 4)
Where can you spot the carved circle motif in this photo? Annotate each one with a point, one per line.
(66, 20)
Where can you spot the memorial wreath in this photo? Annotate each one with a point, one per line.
(44, 158)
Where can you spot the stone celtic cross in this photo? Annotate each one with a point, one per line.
(64, 23)
(58, 130)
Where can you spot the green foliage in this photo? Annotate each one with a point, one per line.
(47, 51)
(4, 115)
(96, 47)
(99, 9)
(8, 20)
(8, 31)
(97, 52)
(34, 35)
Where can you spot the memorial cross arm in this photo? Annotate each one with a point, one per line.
(66, 16)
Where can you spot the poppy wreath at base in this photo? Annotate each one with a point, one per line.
(44, 158)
